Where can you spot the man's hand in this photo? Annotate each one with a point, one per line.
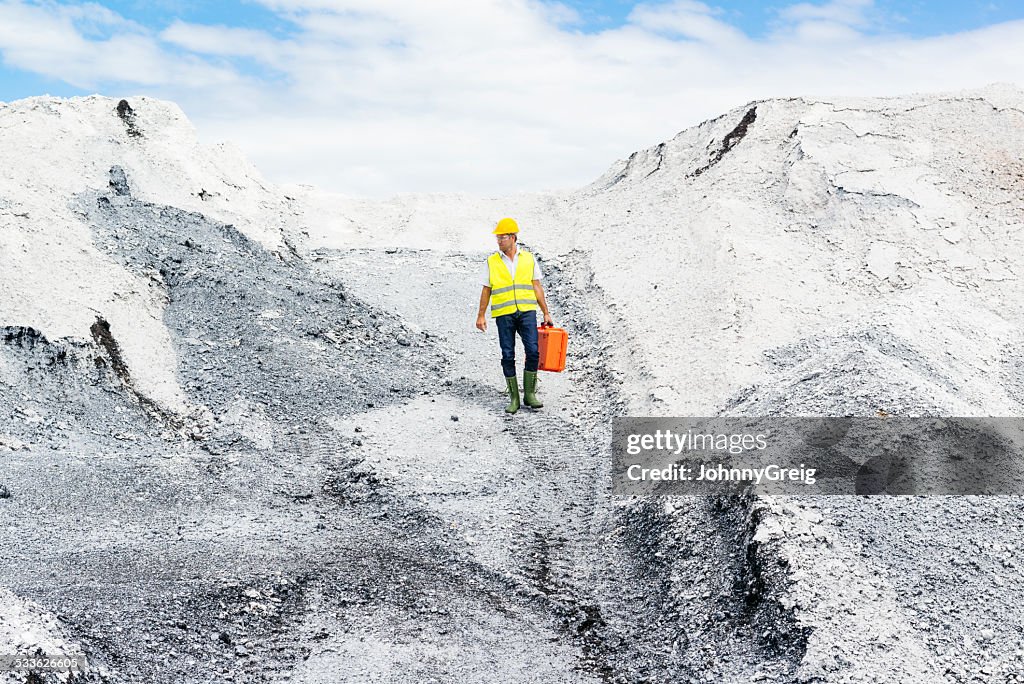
(481, 323)
(538, 290)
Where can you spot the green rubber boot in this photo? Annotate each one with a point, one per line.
(530, 390)
(513, 393)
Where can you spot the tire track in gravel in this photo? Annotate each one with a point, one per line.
(413, 591)
(557, 540)
(696, 598)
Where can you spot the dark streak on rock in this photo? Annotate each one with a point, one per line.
(119, 182)
(625, 171)
(660, 149)
(729, 141)
(127, 115)
(21, 336)
(105, 340)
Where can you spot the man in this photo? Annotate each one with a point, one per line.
(512, 285)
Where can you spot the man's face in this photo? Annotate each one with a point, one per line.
(506, 242)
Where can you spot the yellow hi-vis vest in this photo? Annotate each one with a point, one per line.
(509, 294)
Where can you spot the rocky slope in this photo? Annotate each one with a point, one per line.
(249, 433)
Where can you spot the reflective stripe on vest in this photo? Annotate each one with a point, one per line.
(509, 294)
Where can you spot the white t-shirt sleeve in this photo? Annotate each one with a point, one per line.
(537, 273)
(486, 282)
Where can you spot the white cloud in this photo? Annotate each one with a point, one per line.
(844, 12)
(380, 96)
(224, 41)
(686, 19)
(831, 22)
(89, 46)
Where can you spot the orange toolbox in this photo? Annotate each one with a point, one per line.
(552, 343)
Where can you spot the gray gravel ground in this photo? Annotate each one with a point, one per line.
(950, 565)
(348, 501)
(955, 563)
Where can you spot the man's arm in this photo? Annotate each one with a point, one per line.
(485, 296)
(538, 289)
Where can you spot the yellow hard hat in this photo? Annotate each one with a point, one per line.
(505, 226)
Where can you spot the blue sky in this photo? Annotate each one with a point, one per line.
(159, 13)
(917, 18)
(913, 17)
(372, 96)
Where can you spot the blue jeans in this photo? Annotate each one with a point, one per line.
(524, 323)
